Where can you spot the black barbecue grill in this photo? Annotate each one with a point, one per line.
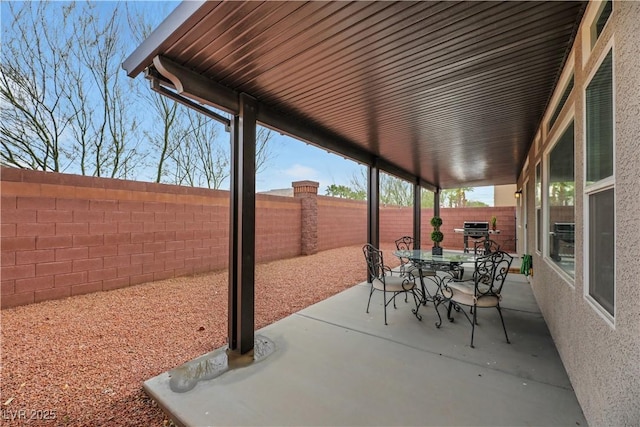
(563, 232)
(475, 230)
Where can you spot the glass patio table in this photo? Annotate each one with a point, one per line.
(424, 260)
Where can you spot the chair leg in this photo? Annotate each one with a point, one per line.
(416, 301)
(503, 327)
(449, 312)
(369, 302)
(473, 325)
(384, 300)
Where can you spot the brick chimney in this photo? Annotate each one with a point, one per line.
(307, 191)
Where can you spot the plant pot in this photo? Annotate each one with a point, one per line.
(436, 250)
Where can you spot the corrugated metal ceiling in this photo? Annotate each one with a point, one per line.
(451, 92)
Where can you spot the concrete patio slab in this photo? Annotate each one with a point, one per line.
(335, 365)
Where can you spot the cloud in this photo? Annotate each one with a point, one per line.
(301, 172)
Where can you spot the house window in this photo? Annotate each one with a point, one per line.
(602, 17)
(561, 102)
(538, 204)
(561, 201)
(599, 121)
(602, 248)
(600, 186)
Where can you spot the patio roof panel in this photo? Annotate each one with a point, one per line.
(431, 88)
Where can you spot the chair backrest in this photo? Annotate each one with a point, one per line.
(485, 247)
(375, 263)
(404, 243)
(490, 272)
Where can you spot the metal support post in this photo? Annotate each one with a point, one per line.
(373, 208)
(417, 214)
(242, 223)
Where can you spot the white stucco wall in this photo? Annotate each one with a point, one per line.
(503, 195)
(601, 358)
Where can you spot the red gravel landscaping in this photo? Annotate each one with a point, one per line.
(81, 361)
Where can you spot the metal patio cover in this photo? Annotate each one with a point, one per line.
(450, 93)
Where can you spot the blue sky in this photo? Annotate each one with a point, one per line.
(294, 161)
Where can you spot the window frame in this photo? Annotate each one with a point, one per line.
(566, 76)
(525, 206)
(598, 308)
(559, 131)
(589, 43)
(593, 36)
(538, 188)
(603, 184)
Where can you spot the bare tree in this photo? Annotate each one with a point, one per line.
(263, 150)
(66, 105)
(456, 197)
(211, 151)
(189, 148)
(33, 113)
(62, 93)
(393, 191)
(99, 50)
(163, 135)
(200, 155)
(166, 114)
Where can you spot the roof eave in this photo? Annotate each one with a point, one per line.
(170, 30)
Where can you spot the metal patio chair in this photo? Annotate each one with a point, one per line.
(381, 278)
(489, 276)
(407, 267)
(480, 247)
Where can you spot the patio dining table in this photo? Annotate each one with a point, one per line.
(449, 263)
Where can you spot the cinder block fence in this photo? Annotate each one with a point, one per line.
(65, 235)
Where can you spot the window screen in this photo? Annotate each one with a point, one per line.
(601, 248)
(601, 21)
(599, 115)
(561, 202)
(561, 102)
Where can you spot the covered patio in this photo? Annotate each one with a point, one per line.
(335, 365)
(440, 94)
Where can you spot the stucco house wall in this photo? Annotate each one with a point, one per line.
(503, 195)
(601, 357)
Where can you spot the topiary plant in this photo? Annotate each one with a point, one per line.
(436, 235)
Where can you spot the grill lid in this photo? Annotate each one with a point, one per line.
(476, 225)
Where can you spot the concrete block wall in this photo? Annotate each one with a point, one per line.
(344, 222)
(455, 217)
(341, 222)
(395, 222)
(278, 228)
(65, 235)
